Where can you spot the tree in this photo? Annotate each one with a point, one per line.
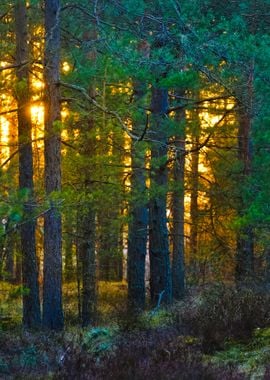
(178, 208)
(160, 267)
(138, 225)
(31, 303)
(52, 288)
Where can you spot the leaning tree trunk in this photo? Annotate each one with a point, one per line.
(160, 268)
(178, 210)
(31, 303)
(52, 288)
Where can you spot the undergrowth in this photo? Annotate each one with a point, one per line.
(218, 333)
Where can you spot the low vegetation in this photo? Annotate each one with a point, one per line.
(216, 333)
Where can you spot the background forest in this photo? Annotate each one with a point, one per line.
(134, 189)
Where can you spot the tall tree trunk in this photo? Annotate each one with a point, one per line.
(194, 208)
(137, 236)
(160, 268)
(86, 240)
(52, 288)
(88, 265)
(245, 245)
(138, 225)
(31, 303)
(87, 225)
(178, 211)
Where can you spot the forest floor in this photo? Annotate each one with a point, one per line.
(215, 333)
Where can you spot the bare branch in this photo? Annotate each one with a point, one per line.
(9, 158)
(14, 66)
(100, 107)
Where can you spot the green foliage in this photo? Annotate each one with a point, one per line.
(183, 79)
(222, 313)
(18, 292)
(251, 358)
(99, 341)
(20, 89)
(10, 305)
(153, 320)
(28, 357)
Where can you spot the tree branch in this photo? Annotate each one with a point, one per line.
(100, 107)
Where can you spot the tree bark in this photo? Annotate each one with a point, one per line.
(31, 302)
(178, 211)
(69, 272)
(88, 265)
(138, 225)
(52, 288)
(160, 268)
(194, 208)
(86, 240)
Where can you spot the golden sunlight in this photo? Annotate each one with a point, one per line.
(5, 150)
(37, 114)
(66, 67)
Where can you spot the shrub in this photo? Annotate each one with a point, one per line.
(153, 354)
(221, 313)
(98, 341)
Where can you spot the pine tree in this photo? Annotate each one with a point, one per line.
(31, 303)
(52, 288)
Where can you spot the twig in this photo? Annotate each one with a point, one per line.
(100, 107)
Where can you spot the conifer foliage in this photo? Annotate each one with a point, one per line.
(143, 125)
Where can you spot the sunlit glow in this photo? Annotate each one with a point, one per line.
(37, 114)
(66, 67)
(5, 151)
(127, 160)
(64, 114)
(38, 85)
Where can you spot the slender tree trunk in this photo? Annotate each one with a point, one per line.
(245, 245)
(137, 231)
(160, 268)
(18, 263)
(52, 288)
(110, 258)
(69, 272)
(87, 225)
(86, 240)
(31, 303)
(138, 225)
(88, 265)
(137, 238)
(178, 211)
(194, 208)
(10, 257)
